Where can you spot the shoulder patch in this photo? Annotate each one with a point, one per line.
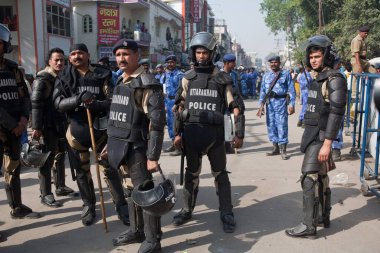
(190, 74)
(149, 80)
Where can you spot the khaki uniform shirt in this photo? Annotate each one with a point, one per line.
(144, 93)
(358, 45)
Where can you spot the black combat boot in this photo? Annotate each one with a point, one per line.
(336, 155)
(299, 123)
(182, 217)
(229, 149)
(135, 233)
(60, 177)
(152, 230)
(44, 175)
(307, 228)
(176, 152)
(283, 153)
(13, 192)
(228, 221)
(275, 151)
(87, 192)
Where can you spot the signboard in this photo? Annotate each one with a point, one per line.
(196, 11)
(108, 24)
(106, 52)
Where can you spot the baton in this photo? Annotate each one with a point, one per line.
(89, 118)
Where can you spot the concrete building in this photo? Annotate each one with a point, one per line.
(36, 27)
(223, 37)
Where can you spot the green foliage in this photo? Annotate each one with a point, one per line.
(341, 19)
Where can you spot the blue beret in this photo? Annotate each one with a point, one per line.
(125, 44)
(144, 61)
(229, 57)
(274, 58)
(171, 57)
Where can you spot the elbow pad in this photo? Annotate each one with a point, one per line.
(334, 123)
(67, 104)
(6, 120)
(155, 145)
(156, 111)
(240, 126)
(337, 89)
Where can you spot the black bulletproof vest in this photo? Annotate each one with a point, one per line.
(205, 100)
(9, 93)
(317, 110)
(95, 86)
(126, 121)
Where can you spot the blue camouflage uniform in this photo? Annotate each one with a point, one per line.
(276, 108)
(244, 84)
(304, 86)
(251, 81)
(171, 84)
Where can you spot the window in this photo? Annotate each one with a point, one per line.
(7, 18)
(58, 20)
(158, 29)
(87, 24)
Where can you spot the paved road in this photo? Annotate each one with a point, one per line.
(266, 196)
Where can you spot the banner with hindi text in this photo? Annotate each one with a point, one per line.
(108, 24)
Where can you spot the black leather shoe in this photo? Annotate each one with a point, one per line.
(48, 200)
(299, 123)
(63, 191)
(176, 152)
(24, 212)
(229, 223)
(129, 237)
(324, 221)
(88, 215)
(169, 149)
(301, 230)
(181, 218)
(150, 247)
(336, 155)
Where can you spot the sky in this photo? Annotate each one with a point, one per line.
(245, 22)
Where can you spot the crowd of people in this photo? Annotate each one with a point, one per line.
(130, 109)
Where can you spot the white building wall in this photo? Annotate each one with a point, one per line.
(40, 10)
(90, 39)
(26, 31)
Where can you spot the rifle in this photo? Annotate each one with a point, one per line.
(260, 112)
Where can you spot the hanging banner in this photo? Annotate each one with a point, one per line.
(196, 11)
(108, 24)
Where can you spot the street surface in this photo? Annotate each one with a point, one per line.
(266, 195)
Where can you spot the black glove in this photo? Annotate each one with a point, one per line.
(86, 96)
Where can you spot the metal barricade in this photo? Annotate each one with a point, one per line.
(361, 129)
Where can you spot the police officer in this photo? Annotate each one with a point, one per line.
(82, 83)
(206, 95)
(359, 59)
(173, 77)
(159, 73)
(50, 124)
(135, 135)
(14, 113)
(145, 63)
(277, 108)
(229, 64)
(324, 115)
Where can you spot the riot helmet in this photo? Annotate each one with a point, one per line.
(326, 45)
(5, 36)
(32, 154)
(207, 41)
(156, 199)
